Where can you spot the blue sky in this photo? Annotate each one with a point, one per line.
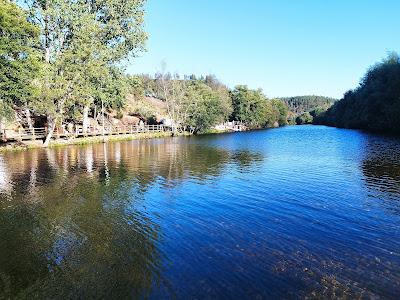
(285, 47)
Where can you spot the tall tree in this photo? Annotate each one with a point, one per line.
(374, 104)
(250, 106)
(282, 111)
(19, 59)
(205, 107)
(82, 41)
(173, 91)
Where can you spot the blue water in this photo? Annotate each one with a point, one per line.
(295, 212)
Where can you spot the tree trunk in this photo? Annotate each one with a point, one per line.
(85, 122)
(29, 119)
(2, 128)
(51, 125)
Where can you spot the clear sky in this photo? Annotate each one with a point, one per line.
(285, 47)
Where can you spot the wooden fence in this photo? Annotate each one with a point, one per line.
(40, 133)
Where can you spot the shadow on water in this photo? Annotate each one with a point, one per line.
(74, 222)
(381, 170)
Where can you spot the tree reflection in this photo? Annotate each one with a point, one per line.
(76, 225)
(381, 168)
(245, 159)
(80, 241)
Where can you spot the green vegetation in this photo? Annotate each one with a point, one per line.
(198, 104)
(304, 118)
(18, 58)
(194, 105)
(301, 107)
(253, 108)
(205, 106)
(282, 111)
(61, 65)
(302, 104)
(374, 104)
(83, 44)
(62, 59)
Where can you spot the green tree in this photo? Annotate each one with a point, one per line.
(282, 111)
(304, 118)
(252, 107)
(318, 114)
(301, 104)
(205, 107)
(374, 104)
(19, 59)
(82, 42)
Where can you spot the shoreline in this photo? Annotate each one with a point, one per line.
(35, 144)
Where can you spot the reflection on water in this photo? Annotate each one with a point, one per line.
(71, 218)
(289, 213)
(381, 168)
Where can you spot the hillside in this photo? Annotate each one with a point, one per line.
(301, 104)
(147, 107)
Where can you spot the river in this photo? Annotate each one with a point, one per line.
(294, 212)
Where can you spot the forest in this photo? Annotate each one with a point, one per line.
(63, 62)
(374, 105)
(302, 104)
(303, 109)
(198, 104)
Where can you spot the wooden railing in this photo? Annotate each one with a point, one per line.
(40, 133)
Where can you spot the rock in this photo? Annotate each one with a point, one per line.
(130, 120)
(115, 122)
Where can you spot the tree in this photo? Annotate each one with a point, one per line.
(304, 118)
(186, 98)
(374, 104)
(282, 111)
(251, 107)
(205, 107)
(301, 104)
(173, 91)
(19, 59)
(318, 115)
(82, 41)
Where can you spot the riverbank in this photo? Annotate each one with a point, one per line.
(38, 143)
(29, 144)
(34, 144)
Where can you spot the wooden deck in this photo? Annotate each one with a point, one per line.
(40, 133)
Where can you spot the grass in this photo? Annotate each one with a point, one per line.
(215, 131)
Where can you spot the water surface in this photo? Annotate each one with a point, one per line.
(295, 212)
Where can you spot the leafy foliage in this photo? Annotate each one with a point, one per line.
(83, 44)
(199, 103)
(301, 104)
(250, 106)
(374, 104)
(304, 118)
(253, 108)
(205, 107)
(65, 59)
(19, 61)
(282, 110)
